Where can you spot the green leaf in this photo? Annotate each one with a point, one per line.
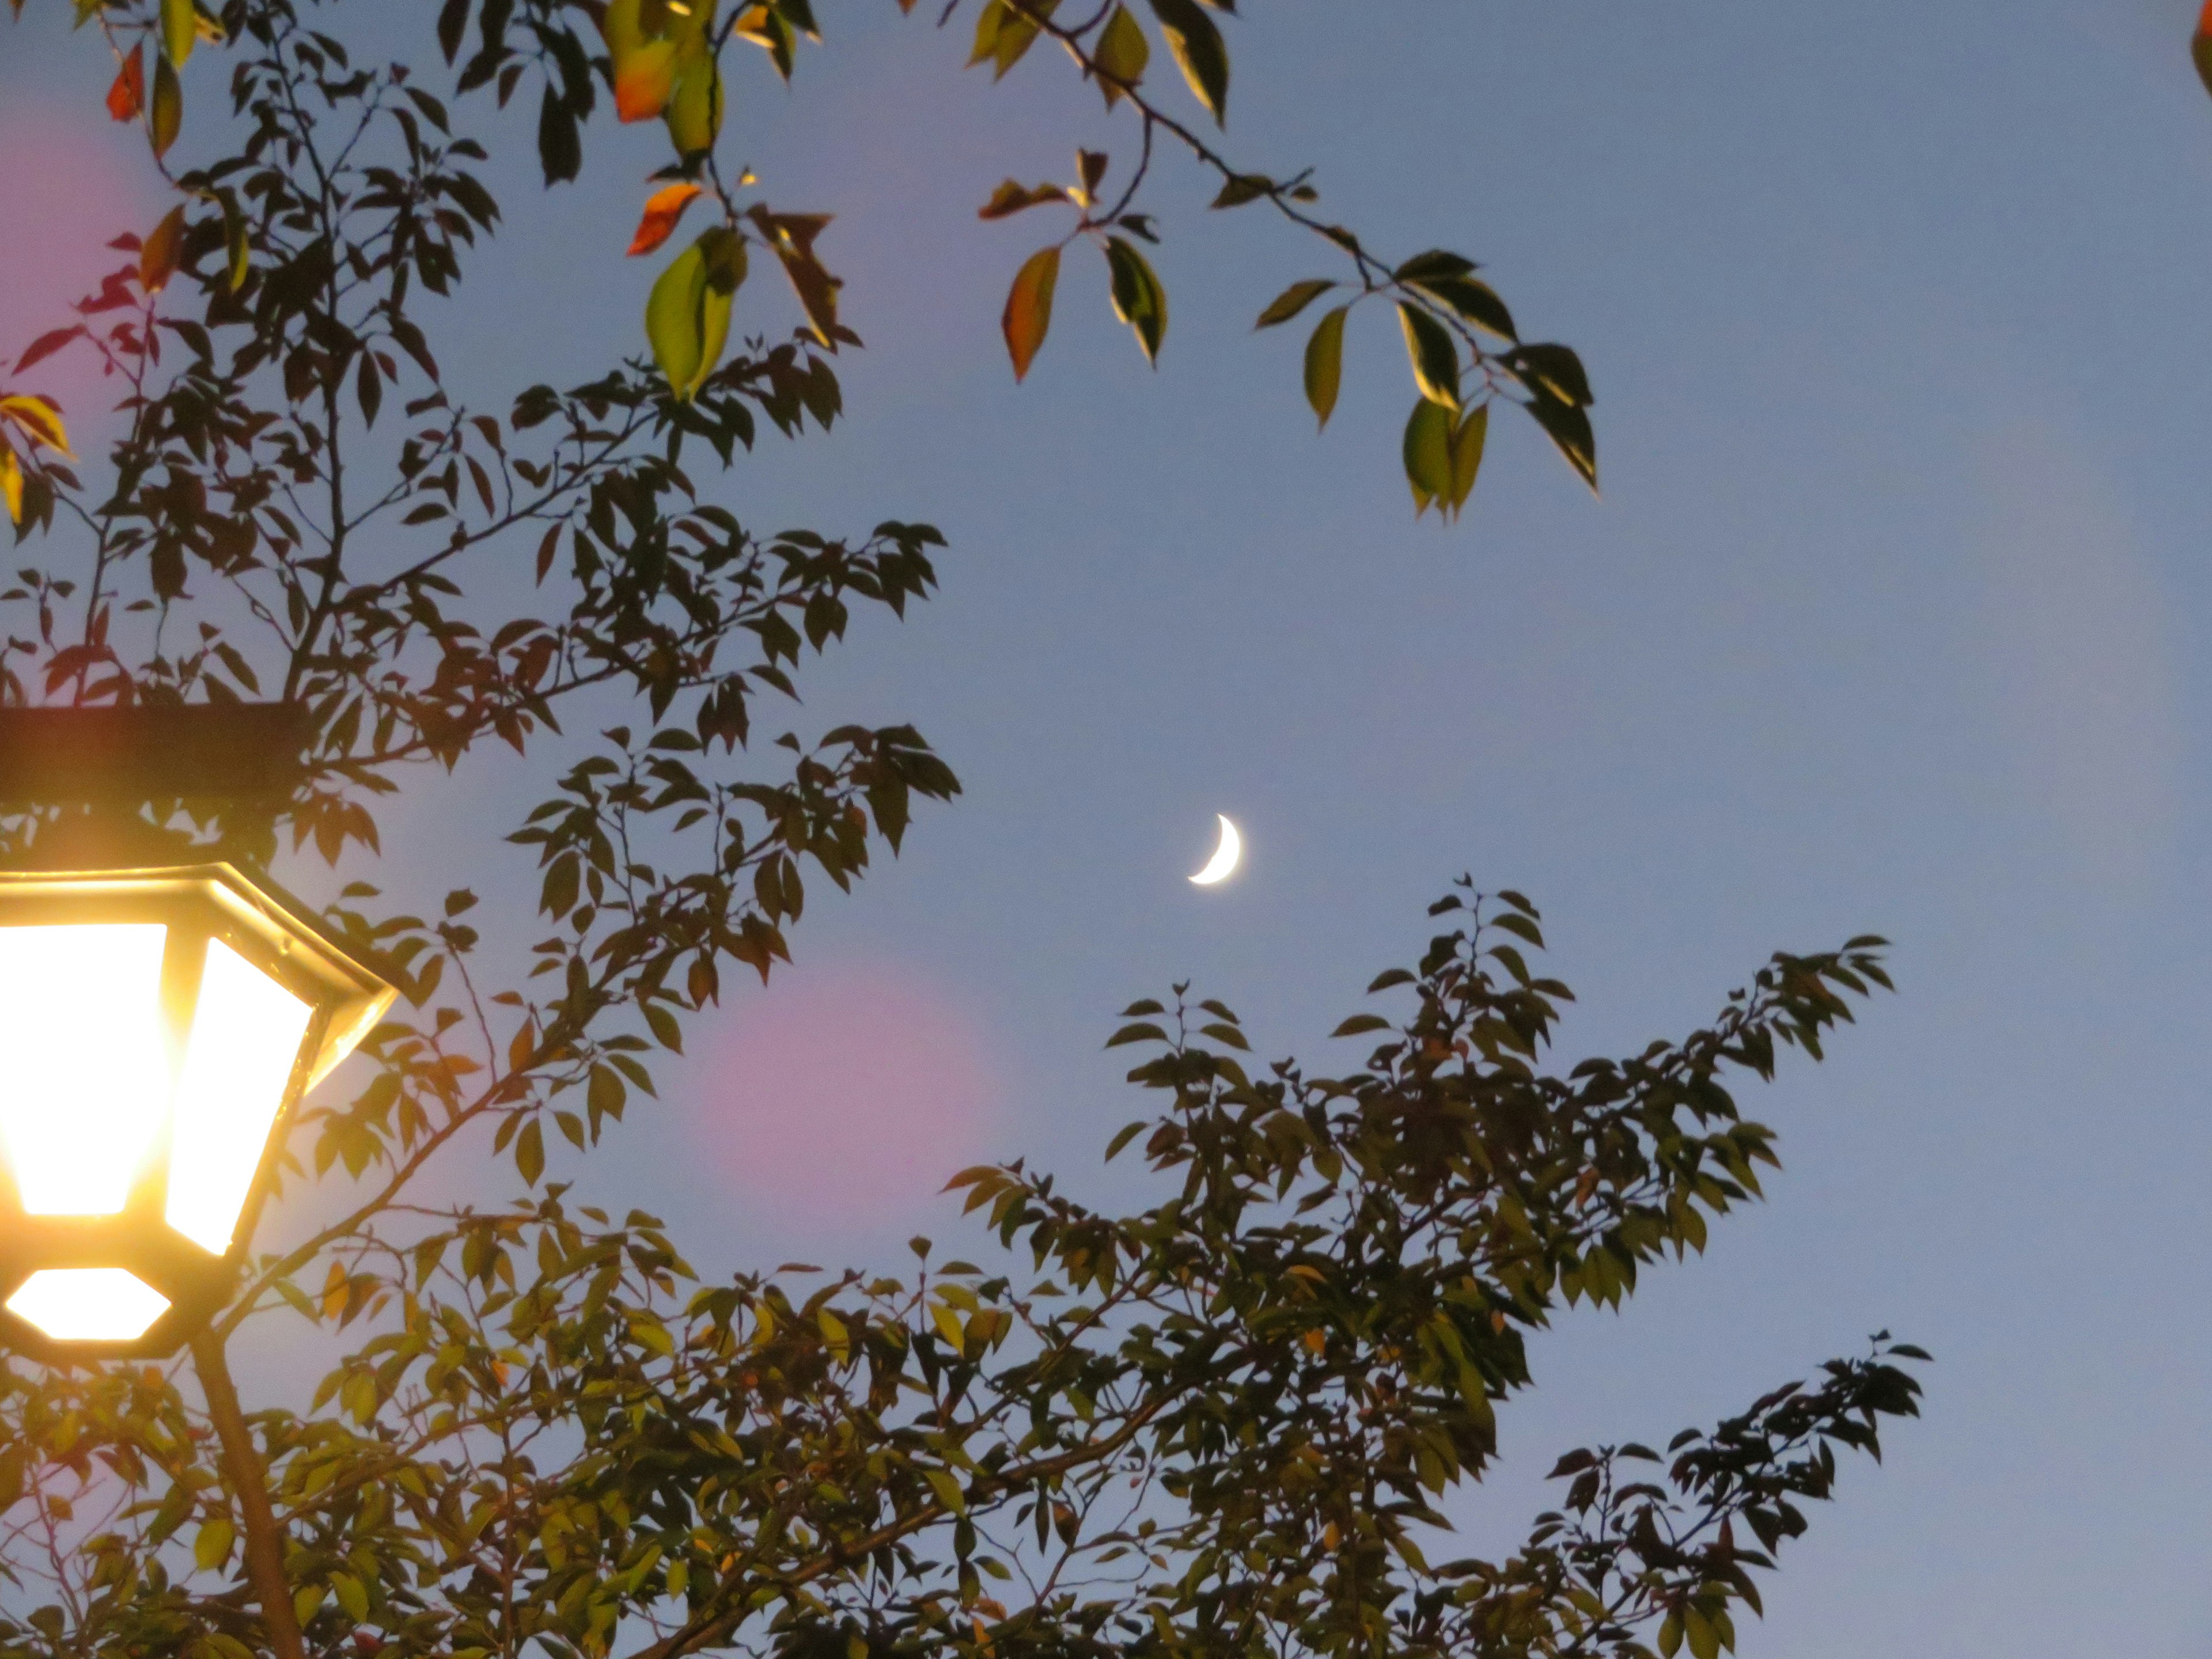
(1243, 187)
(1139, 1033)
(236, 246)
(1552, 371)
(1028, 315)
(1361, 1023)
(687, 317)
(695, 107)
(211, 1549)
(1199, 53)
(1473, 300)
(1293, 299)
(1325, 363)
(1428, 454)
(1138, 299)
(167, 115)
(1569, 428)
(1466, 447)
(1120, 54)
(1010, 197)
(948, 1490)
(1436, 263)
(1435, 358)
(1004, 35)
(179, 29)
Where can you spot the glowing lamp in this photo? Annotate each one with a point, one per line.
(156, 1029)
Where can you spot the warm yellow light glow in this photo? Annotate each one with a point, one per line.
(84, 1065)
(246, 1036)
(88, 1304)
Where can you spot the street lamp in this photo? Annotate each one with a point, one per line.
(156, 1026)
(158, 1022)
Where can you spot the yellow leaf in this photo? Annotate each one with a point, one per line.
(12, 484)
(39, 421)
(180, 28)
(1029, 307)
(212, 1547)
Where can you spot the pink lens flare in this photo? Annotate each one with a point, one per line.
(73, 182)
(846, 1094)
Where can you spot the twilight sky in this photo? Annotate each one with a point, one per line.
(1893, 617)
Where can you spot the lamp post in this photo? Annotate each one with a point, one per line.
(158, 1025)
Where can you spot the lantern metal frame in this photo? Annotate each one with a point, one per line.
(198, 904)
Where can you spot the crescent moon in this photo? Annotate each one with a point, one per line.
(1222, 863)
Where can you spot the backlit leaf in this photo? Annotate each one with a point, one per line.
(1325, 363)
(168, 113)
(1291, 301)
(1199, 52)
(687, 317)
(1569, 428)
(179, 29)
(1475, 301)
(1435, 358)
(157, 254)
(1138, 299)
(1552, 371)
(12, 484)
(1011, 197)
(127, 97)
(694, 108)
(644, 65)
(1428, 454)
(211, 1549)
(1121, 54)
(237, 249)
(1467, 448)
(662, 208)
(1028, 314)
(38, 420)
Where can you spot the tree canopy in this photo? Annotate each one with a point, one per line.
(1221, 1425)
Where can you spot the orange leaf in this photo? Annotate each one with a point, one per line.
(158, 254)
(662, 211)
(128, 95)
(1029, 307)
(644, 80)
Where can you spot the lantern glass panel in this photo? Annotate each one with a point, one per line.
(246, 1031)
(88, 1304)
(85, 1085)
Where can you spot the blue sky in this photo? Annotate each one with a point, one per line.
(1893, 617)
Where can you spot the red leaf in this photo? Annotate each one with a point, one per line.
(662, 211)
(47, 344)
(128, 95)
